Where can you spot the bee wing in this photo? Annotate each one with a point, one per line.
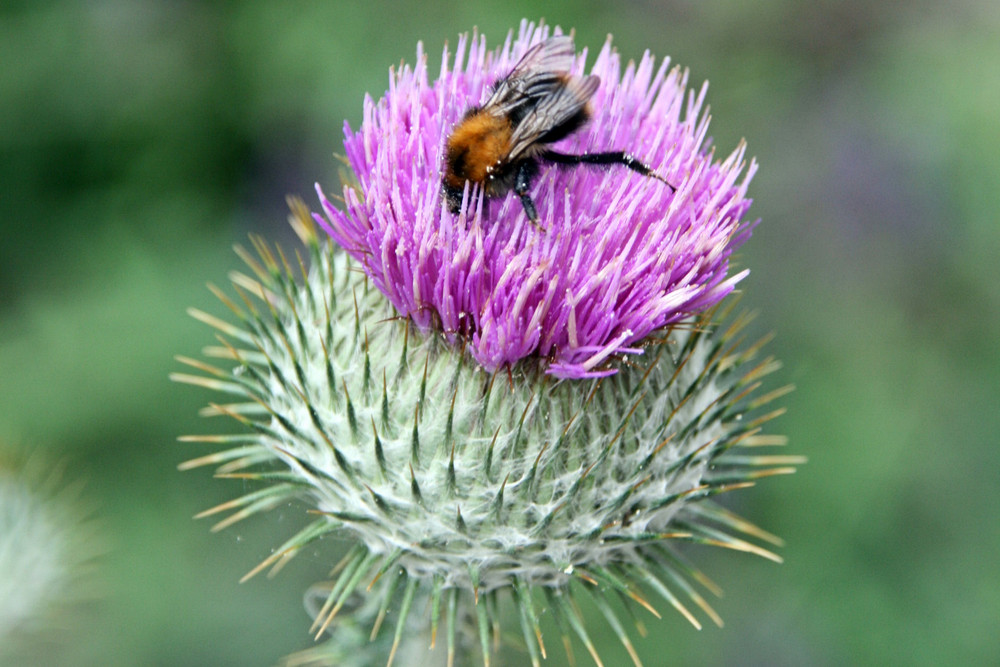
(564, 103)
(539, 71)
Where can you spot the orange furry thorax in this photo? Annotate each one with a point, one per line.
(479, 142)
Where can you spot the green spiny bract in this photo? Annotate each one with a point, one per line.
(456, 484)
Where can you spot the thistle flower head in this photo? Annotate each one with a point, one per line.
(462, 486)
(48, 548)
(387, 386)
(617, 255)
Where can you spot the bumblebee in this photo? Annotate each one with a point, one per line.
(500, 144)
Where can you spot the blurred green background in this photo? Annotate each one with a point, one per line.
(140, 140)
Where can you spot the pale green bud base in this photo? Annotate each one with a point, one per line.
(460, 485)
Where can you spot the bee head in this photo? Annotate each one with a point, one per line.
(453, 196)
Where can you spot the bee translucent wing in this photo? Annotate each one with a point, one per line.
(555, 54)
(564, 104)
(540, 71)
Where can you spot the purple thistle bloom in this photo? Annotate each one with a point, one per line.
(617, 255)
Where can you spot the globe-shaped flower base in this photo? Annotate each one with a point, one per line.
(467, 488)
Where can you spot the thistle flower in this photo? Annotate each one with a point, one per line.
(620, 256)
(415, 392)
(48, 547)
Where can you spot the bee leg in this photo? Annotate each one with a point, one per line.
(529, 208)
(522, 182)
(613, 157)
